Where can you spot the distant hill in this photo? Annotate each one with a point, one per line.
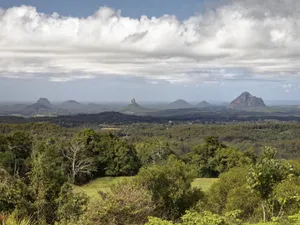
(203, 104)
(134, 108)
(179, 104)
(42, 106)
(37, 106)
(247, 101)
(71, 104)
(45, 102)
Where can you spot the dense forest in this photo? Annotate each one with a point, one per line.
(257, 166)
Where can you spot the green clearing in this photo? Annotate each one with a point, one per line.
(104, 184)
(204, 183)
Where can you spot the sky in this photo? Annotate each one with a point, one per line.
(116, 50)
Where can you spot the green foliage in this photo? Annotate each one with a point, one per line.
(122, 160)
(15, 152)
(113, 157)
(158, 221)
(33, 179)
(203, 157)
(14, 195)
(170, 185)
(230, 157)
(295, 219)
(128, 203)
(153, 151)
(264, 177)
(213, 157)
(14, 219)
(287, 194)
(231, 193)
(46, 179)
(70, 206)
(204, 218)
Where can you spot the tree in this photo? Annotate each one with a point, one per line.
(264, 177)
(230, 157)
(170, 185)
(122, 160)
(153, 151)
(113, 156)
(79, 161)
(128, 203)
(287, 194)
(231, 193)
(46, 179)
(15, 195)
(15, 152)
(70, 205)
(203, 157)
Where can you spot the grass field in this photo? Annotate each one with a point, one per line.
(101, 184)
(204, 183)
(104, 184)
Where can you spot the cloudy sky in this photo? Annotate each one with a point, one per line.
(156, 50)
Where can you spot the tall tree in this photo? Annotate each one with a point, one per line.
(79, 161)
(46, 179)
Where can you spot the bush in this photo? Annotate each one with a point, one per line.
(127, 204)
(170, 185)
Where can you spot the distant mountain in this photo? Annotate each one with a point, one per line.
(45, 102)
(71, 104)
(246, 101)
(179, 104)
(42, 106)
(37, 106)
(134, 108)
(203, 104)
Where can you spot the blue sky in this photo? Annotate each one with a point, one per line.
(132, 8)
(149, 50)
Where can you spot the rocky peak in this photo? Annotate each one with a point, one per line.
(133, 102)
(246, 100)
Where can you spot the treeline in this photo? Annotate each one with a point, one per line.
(40, 163)
(162, 117)
(182, 137)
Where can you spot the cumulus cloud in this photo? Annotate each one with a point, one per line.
(240, 39)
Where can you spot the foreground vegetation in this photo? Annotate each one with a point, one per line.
(156, 174)
(105, 184)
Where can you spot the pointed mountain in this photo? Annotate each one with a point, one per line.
(246, 101)
(41, 104)
(45, 102)
(179, 104)
(203, 104)
(134, 108)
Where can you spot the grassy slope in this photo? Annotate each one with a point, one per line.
(104, 184)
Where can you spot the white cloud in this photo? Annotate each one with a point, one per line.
(260, 37)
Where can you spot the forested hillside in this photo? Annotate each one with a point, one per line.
(44, 167)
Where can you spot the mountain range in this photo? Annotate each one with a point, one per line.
(43, 106)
